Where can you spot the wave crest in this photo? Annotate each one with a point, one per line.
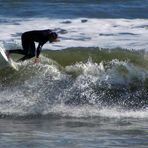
(49, 87)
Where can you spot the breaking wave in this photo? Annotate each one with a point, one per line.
(77, 83)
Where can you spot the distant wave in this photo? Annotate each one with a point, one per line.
(77, 82)
(75, 9)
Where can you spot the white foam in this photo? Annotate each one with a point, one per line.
(89, 111)
(43, 89)
(104, 33)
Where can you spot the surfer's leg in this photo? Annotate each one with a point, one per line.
(25, 58)
(30, 53)
(18, 51)
(31, 50)
(25, 45)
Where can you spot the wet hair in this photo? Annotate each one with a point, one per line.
(53, 36)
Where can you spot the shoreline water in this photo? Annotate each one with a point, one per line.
(49, 133)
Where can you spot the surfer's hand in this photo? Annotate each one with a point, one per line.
(36, 60)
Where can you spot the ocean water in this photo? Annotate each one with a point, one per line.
(90, 89)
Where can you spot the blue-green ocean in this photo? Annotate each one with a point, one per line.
(90, 90)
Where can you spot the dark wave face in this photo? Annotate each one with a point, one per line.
(75, 8)
(82, 84)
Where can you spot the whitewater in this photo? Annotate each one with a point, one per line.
(81, 32)
(112, 34)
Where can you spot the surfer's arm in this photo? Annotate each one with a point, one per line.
(39, 48)
(36, 60)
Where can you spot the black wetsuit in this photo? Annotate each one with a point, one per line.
(28, 43)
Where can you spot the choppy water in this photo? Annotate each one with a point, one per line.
(72, 132)
(85, 94)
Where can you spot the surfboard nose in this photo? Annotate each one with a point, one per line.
(6, 61)
(3, 54)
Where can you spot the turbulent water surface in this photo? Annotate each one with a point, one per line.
(90, 89)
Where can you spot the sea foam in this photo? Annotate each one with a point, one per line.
(103, 33)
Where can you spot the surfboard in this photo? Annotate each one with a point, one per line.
(5, 61)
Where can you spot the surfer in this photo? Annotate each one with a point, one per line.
(28, 43)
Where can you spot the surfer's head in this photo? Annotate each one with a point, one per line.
(53, 37)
